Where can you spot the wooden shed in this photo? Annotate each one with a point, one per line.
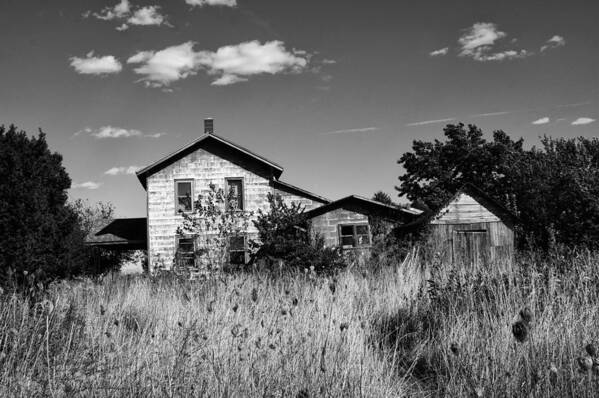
(470, 230)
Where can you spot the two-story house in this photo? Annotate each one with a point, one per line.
(174, 181)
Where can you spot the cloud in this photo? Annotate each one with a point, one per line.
(358, 130)
(143, 16)
(582, 121)
(477, 42)
(327, 61)
(543, 120)
(553, 42)
(439, 52)
(87, 185)
(91, 65)
(117, 132)
(490, 114)
(201, 3)
(425, 122)
(232, 64)
(122, 170)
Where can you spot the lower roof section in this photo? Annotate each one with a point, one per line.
(368, 207)
(122, 234)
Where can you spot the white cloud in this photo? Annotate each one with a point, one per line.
(120, 10)
(358, 130)
(122, 170)
(543, 120)
(149, 15)
(144, 16)
(91, 65)
(425, 122)
(327, 61)
(439, 52)
(582, 121)
(87, 185)
(116, 132)
(201, 3)
(477, 42)
(233, 64)
(553, 42)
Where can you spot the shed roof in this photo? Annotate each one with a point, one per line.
(285, 186)
(214, 144)
(122, 233)
(366, 206)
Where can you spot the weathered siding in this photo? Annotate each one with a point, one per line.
(289, 198)
(204, 168)
(464, 210)
(327, 224)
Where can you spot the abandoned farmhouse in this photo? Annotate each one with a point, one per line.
(469, 228)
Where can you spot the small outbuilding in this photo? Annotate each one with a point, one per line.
(471, 230)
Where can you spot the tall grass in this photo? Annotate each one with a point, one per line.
(384, 334)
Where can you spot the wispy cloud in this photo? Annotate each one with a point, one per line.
(124, 12)
(86, 185)
(122, 170)
(491, 114)
(440, 52)
(582, 121)
(92, 65)
(574, 105)
(358, 130)
(553, 42)
(231, 64)
(116, 132)
(543, 120)
(478, 41)
(201, 3)
(425, 122)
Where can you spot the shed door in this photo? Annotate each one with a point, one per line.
(470, 247)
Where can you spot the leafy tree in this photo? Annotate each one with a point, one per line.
(434, 171)
(38, 230)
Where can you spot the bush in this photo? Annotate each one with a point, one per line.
(283, 239)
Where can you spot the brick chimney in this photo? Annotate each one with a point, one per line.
(208, 125)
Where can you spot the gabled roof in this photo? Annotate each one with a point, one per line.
(213, 143)
(366, 206)
(285, 186)
(125, 233)
(481, 197)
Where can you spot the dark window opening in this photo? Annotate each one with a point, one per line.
(186, 252)
(354, 235)
(183, 192)
(235, 193)
(237, 250)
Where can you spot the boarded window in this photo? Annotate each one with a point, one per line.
(235, 193)
(237, 250)
(183, 199)
(185, 252)
(355, 235)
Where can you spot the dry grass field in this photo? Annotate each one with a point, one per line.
(388, 333)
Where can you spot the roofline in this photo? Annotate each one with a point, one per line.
(141, 174)
(337, 203)
(307, 193)
(100, 232)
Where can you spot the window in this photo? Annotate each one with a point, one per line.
(235, 193)
(237, 249)
(185, 252)
(183, 190)
(355, 235)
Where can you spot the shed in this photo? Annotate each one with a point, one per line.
(470, 230)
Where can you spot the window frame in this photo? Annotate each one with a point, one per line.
(177, 182)
(244, 251)
(178, 239)
(354, 235)
(242, 201)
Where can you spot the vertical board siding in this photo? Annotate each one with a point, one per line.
(464, 210)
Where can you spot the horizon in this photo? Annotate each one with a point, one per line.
(332, 97)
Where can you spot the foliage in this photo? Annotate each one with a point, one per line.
(40, 236)
(554, 189)
(214, 220)
(283, 238)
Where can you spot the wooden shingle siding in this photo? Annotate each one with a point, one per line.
(203, 168)
(464, 210)
(327, 225)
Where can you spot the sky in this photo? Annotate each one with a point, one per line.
(335, 91)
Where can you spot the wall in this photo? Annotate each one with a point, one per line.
(327, 224)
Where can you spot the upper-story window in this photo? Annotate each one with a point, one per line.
(235, 193)
(354, 235)
(183, 193)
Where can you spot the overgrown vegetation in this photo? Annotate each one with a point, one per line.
(393, 333)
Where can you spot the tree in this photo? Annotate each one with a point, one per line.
(434, 171)
(37, 227)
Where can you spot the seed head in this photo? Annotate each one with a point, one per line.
(343, 326)
(295, 301)
(454, 349)
(235, 330)
(116, 322)
(235, 307)
(585, 363)
(520, 331)
(254, 295)
(332, 287)
(102, 310)
(591, 350)
(526, 315)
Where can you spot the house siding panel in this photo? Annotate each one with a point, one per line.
(327, 224)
